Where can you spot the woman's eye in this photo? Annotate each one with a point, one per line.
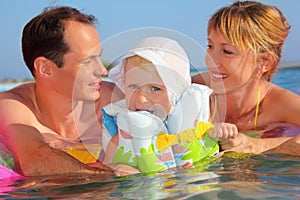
(209, 46)
(227, 52)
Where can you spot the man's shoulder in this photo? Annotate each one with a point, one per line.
(19, 93)
(110, 92)
(107, 85)
(18, 102)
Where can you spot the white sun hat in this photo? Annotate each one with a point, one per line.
(170, 61)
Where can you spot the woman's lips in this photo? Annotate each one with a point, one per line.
(218, 76)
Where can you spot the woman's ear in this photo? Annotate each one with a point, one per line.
(267, 62)
(43, 67)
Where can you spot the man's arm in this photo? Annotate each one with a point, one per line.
(35, 157)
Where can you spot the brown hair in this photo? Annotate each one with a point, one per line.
(44, 34)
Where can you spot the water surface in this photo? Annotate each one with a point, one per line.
(233, 176)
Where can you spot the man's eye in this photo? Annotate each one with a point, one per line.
(87, 61)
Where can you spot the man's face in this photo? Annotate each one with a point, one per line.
(81, 74)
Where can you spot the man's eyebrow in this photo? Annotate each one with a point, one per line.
(92, 56)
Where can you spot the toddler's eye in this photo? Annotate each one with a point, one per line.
(133, 86)
(153, 88)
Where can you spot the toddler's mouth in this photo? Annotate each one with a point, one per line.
(150, 111)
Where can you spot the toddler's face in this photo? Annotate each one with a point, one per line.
(145, 91)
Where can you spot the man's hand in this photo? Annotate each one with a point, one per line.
(124, 170)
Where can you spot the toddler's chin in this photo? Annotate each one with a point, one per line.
(162, 116)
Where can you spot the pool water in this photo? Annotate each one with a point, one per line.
(288, 78)
(232, 176)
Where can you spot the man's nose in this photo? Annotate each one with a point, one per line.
(100, 69)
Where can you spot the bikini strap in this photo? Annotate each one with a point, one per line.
(257, 107)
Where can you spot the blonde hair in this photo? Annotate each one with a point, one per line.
(142, 63)
(253, 25)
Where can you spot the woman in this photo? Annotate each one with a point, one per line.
(244, 47)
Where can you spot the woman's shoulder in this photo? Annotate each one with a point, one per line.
(282, 103)
(278, 94)
(202, 78)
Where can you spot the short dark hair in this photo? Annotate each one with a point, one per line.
(44, 34)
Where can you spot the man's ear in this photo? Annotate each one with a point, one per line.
(43, 67)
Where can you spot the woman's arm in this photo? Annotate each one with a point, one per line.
(290, 147)
(246, 144)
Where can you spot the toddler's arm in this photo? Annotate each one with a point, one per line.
(119, 169)
(111, 150)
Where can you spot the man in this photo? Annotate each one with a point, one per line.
(62, 49)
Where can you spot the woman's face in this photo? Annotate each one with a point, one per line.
(229, 68)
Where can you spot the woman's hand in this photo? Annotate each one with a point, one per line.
(243, 144)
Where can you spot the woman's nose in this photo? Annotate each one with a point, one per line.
(212, 59)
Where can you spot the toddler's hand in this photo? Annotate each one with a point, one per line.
(223, 131)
